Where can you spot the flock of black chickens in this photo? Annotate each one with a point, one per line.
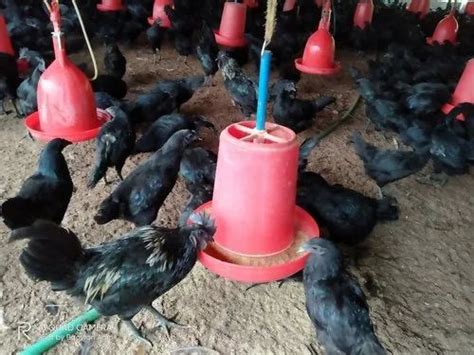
(404, 90)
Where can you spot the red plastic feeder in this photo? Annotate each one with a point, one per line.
(469, 9)
(421, 7)
(319, 53)
(110, 5)
(160, 14)
(232, 28)
(259, 227)
(5, 41)
(66, 103)
(364, 13)
(446, 30)
(251, 4)
(464, 90)
(319, 3)
(289, 5)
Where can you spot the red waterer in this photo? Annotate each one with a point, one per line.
(469, 9)
(259, 227)
(66, 102)
(464, 90)
(110, 6)
(319, 53)
(421, 7)
(364, 13)
(445, 31)
(160, 14)
(231, 32)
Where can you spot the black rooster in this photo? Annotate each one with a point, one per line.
(45, 194)
(121, 277)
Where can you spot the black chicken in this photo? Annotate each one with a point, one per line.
(112, 85)
(198, 166)
(114, 144)
(242, 90)
(139, 197)
(336, 303)
(348, 215)
(121, 277)
(114, 61)
(386, 166)
(45, 194)
(292, 112)
(200, 194)
(155, 34)
(9, 81)
(103, 100)
(207, 51)
(164, 127)
(26, 91)
(182, 27)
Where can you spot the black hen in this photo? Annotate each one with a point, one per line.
(9, 80)
(348, 215)
(242, 90)
(155, 35)
(112, 85)
(182, 28)
(121, 277)
(45, 194)
(292, 112)
(26, 92)
(427, 98)
(113, 146)
(386, 166)
(164, 127)
(207, 51)
(139, 197)
(336, 303)
(200, 194)
(114, 61)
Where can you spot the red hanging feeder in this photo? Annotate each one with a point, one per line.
(160, 14)
(445, 31)
(319, 3)
(464, 90)
(289, 5)
(421, 7)
(319, 53)
(66, 103)
(110, 6)
(259, 227)
(469, 9)
(5, 41)
(232, 28)
(364, 13)
(251, 4)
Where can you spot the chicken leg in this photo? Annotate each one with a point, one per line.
(136, 332)
(165, 322)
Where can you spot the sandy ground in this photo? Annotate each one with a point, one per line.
(417, 272)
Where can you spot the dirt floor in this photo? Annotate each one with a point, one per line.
(417, 272)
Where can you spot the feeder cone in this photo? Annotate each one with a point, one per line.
(421, 7)
(464, 90)
(160, 14)
(259, 227)
(289, 5)
(5, 41)
(319, 3)
(110, 5)
(319, 53)
(469, 9)
(251, 4)
(364, 13)
(66, 103)
(446, 30)
(232, 28)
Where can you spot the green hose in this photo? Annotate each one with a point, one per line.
(60, 334)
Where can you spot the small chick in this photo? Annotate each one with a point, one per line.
(114, 144)
(242, 90)
(114, 61)
(336, 303)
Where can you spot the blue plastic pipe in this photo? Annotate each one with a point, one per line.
(263, 81)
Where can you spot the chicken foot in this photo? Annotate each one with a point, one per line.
(164, 322)
(136, 332)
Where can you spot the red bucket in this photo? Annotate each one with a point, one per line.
(364, 13)
(445, 31)
(160, 14)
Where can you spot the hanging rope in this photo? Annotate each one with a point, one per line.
(270, 23)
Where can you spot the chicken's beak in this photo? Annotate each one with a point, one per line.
(302, 249)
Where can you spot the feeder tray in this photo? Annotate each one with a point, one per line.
(259, 227)
(231, 32)
(110, 6)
